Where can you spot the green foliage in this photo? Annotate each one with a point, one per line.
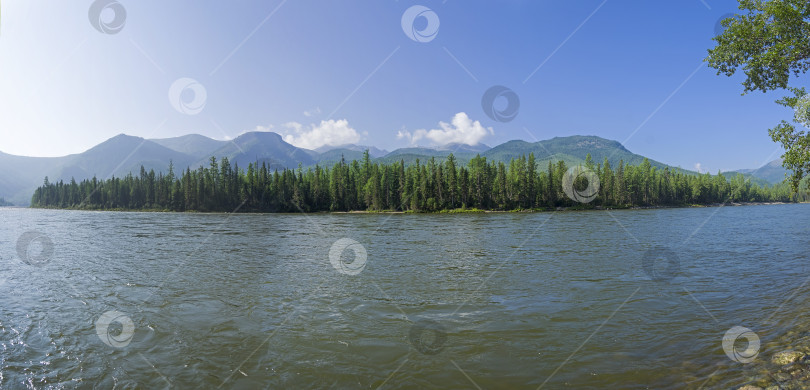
(770, 43)
(368, 185)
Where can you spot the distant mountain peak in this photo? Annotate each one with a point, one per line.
(263, 147)
(260, 135)
(124, 153)
(590, 142)
(196, 145)
(123, 136)
(372, 151)
(773, 172)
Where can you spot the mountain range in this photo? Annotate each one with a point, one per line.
(122, 154)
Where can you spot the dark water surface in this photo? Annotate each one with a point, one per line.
(503, 300)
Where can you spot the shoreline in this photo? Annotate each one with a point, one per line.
(571, 208)
(449, 211)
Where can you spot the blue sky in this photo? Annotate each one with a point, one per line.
(332, 71)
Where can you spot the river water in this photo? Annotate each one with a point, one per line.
(593, 299)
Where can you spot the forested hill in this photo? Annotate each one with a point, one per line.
(572, 150)
(424, 186)
(124, 154)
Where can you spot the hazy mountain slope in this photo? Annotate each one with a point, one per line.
(514, 149)
(330, 157)
(772, 172)
(195, 145)
(410, 158)
(372, 151)
(418, 151)
(19, 176)
(119, 156)
(261, 147)
(572, 149)
(464, 148)
(753, 179)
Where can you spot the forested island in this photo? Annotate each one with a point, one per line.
(433, 186)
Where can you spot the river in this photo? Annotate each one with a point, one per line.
(580, 299)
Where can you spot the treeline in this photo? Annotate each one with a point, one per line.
(430, 186)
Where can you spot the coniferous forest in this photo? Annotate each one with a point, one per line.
(431, 186)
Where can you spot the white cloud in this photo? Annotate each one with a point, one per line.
(260, 128)
(313, 112)
(331, 132)
(461, 130)
(699, 168)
